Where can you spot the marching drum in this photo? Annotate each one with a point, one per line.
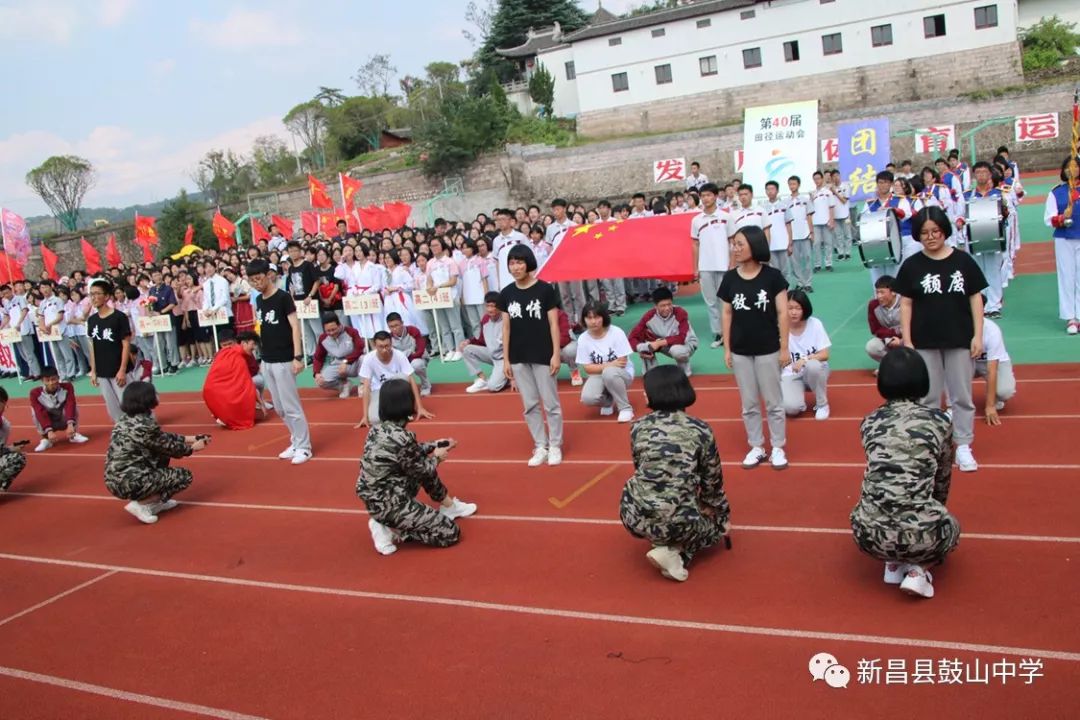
(985, 225)
(879, 238)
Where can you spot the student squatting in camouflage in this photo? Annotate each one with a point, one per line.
(12, 461)
(393, 469)
(901, 515)
(676, 475)
(137, 462)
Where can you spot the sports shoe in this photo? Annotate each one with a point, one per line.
(288, 453)
(44, 445)
(479, 385)
(965, 460)
(301, 456)
(79, 438)
(778, 459)
(1072, 328)
(686, 369)
(626, 415)
(554, 456)
(607, 410)
(268, 405)
(895, 572)
(458, 509)
(160, 507)
(821, 413)
(141, 512)
(382, 536)
(755, 457)
(999, 405)
(170, 370)
(454, 356)
(538, 457)
(717, 342)
(575, 378)
(668, 562)
(424, 391)
(346, 388)
(918, 582)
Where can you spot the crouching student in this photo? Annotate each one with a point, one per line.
(55, 412)
(486, 348)
(604, 351)
(394, 467)
(675, 498)
(337, 356)
(12, 460)
(409, 339)
(808, 344)
(901, 517)
(137, 462)
(996, 366)
(378, 368)
(664, 329)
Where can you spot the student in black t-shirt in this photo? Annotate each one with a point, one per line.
(110, 347)
(300, 283)
(531, 352)
(755, 324)
(941, 297)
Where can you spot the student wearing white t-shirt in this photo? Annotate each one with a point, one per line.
(995, 365)
(712, 254)
(571, 292)
(798, 215)
(809, 346)
(507, 238)
(384, 364)
(604, 353)
(780, 244)
(825, 205)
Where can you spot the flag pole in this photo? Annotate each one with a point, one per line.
(341, 186)
(11, 277)
(1071, 178)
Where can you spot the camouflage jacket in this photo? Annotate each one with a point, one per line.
(676, 466)
(139, 446)
(909, 455)
(395, 466)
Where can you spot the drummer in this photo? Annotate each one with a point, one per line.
(883, 199)
(935, 193)
(989, 262)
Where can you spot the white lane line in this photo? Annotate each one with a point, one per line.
(539, 518)
(115, 694)
(783, 633)
(54, 598)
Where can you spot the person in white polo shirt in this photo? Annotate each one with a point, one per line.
(384, 364)
(843, 216)
(779, 229)
(507, 238)
(571, 292)
(747, 212)
(824, 237)
(712, 254)
(798, 212)
(696, 179)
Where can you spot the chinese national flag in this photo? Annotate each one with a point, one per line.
(91, 257)
(373, 218)
(189, 234)
(283, 224)
(319, 196)
(112, 253)
(349, 189)
(328, 223)
(225, 231)
(145, 230)
(397, 214)
(258, 232)
(309, 220)
(652, 247)
(48, 259)
(147, 253)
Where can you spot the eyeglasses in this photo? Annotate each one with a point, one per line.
(931, 232)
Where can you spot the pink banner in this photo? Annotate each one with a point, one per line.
(16, 236)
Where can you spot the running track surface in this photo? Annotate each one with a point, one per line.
(261, 596)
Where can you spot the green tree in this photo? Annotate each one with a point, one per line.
(353, 127)
(1048, 42)
(373, 77)
(465, 126)
(308, 122)
(651, 7)
(173, 221)
(223, 176)
(62, 182)
(330, 97)
(272, 163)
(542, 89)
(509, 26)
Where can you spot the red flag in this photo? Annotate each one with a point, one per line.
(283, 224)
(147, 253)
(145, 230)
(328, 223)
(653, 247)
(397, 214)
(225, 231)
(352, 223)
(349, 189)
(319, 196)
(258, 232)
(189, 234)
(112, 254)
(91, 257)
(309, 221)
(372, 218)
(11, 263)
(48, 259)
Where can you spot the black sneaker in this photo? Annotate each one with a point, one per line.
(829, 268)
(171, 370)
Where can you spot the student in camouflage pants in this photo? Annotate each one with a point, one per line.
(12, 461)
(137, 461)
(901, 516)
(394, 468)
(675, 499)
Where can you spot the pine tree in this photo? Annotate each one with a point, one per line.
(542, 89)
(512, 21)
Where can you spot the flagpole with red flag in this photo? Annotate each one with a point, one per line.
(341, 186)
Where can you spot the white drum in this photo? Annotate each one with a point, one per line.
(879, 238)
(985, 224)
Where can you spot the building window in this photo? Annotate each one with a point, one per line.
(612, 42)
(571, 73)
(791, 51)
(707, 65)
(619, 82)
(881, 35)
(985, 17)
(658, 32)
(746, 14)
(707, 22)
(663, 74)
(832, 44)
(934, 26)
(751, 58)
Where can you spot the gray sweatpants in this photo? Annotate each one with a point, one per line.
(281, 382)
(824, 242)
(311, 328)
(476, 356)
(536, 385)
(802, 260)
(780, 260)
(331, 374)
(951, 370)
(615, 294)
(710, 283)
(419, 366)
(814, 378)
(758, 378)
(1006, 379)
(573, 300)
(611, 386)
(450, 329)
(25, 349)
(843, 236)
(679, 353)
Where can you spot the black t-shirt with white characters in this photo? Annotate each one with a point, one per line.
(272, 314)
(530, 333)
(940, 292)
(755, 328)
(106, 336)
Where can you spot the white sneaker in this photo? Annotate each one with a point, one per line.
(999, 405)
(821, 413)
(288, 453)
(1072, 328)
(301, 456)
(458, 509)
(668, 562)
(686, 369)
(424, 391)
(626, 415)
(538, 457)
(345, 390)
(455, 356)
(918, 582)
(575, 379)
(160, 507)
(79, 438)
(554, 456)
(965, 460)
(895, 572)
(382, 536)
(141, 512)
(44, 445)
(778, 459)
(268, 405)
(479, 385)
(607, 410)
(717, 342)
(755, 457)
(220, 422)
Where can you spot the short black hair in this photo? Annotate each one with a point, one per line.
(106, 285)
(296, 243)
(523, 253)
(885, 281)
(132, 293)
(798, 295)
(773, 183)
(796, 178)
(981, 164)
(248, 336)
(329, 317)
(3, 395)
(391, 317)
(927, 214)
(492, 296)
(396, 401)
(558, 202)
(49, 372)
(1003, 149)
(746, 186)
(381, 335)
(258, 266)
(709, 187)
(755, 238)
(140, 398)
(902, 375)
(661, 294)
(226, 335)
(342, 222)
(667, 389)
(695, 164)
(595, 307)
(885, 175)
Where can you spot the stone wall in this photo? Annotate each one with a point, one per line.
(943, 76)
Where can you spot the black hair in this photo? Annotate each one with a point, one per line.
(524, 254)
(695, 164)
(296, 244)
(902, 375)
(392, 317)
(635, 196)
(341, 222)
(1002, 149)
(106, 285)
(3, 395)
(132, 293)
(932, 171)
(981, 164)
(661, 294)
(818, 172)
(381, 335)
(709, 187)
(885, 175)
(798, 295)
(490, 297)
(755, 238)
(746, 186)
(396, 401)
(558, 202)
(258, 266)
(885, 281)
(931, 213)
(796, 178)
(49, 372)
(329, 317)
(139, 398)
(774, 184)
(595, 307)
(248, 336)
(668, 389)
(604, 203)
(1065, 168)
